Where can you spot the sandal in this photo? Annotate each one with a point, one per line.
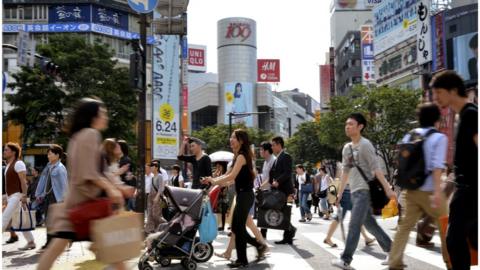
(369, 242)
(331, 244)
(222, 255)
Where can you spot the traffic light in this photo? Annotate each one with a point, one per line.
(136, 70)
(49, 67)
(136, 65)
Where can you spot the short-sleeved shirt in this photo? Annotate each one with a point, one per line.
(466, 151)
(365, 157)
(201, 168)
(19, 167)
(434, 151)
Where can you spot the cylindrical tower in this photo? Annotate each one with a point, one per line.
(237, 68)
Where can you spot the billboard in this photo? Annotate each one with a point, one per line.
(324, 85)
(424, 32)
(239, 99)
(69, 13)
(465, 55)
(438, 26)
(197, 58)
(110, 17)
(366, 41)
(355, 4)
(166, 91)
(394, 21)
(268, 70)
(394, 64)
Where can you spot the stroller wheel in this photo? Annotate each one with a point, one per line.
(144, 266)
(191, 265)
(163, 261)
(202, 252)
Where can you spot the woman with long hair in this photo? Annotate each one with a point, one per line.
(154, 212)
(243, 175)
(86, 181)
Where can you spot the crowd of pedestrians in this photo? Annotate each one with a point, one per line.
(96, 169)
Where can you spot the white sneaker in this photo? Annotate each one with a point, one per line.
(385, 262)
(341, 264)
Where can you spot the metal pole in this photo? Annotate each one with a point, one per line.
(142, 100)
(230, 115)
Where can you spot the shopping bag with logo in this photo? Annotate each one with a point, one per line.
(274, 219)
(118, 237)
(390, 210)
(23, 220)
(208, 227)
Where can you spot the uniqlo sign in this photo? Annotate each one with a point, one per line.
(197, 58)
(268, 70)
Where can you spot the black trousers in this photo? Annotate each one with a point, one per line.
(463, 223)
(287, 234)
(243, 204)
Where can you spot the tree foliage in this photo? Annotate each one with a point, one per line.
(41, 103)
(217, 137)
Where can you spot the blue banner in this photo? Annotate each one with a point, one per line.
(110, 17)
(74, 28)
(69, 13)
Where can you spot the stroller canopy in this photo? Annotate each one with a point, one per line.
(186, 200)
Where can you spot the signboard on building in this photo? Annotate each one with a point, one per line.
(439, 62)
(197, 58)
(111, 17)
(324, 85)
(355, 4)
(396, 63)
(465, 54)
(69, 13)
(424, 32)
(394, 21)
(268, 70)
(166, 91)
(237, 99)
(366, 43)
(238, 31)
(23, 45)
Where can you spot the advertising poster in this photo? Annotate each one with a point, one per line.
(394, 21)
(465, 55)
(368, 68)
(166, 92)
(440, 60)
(239, 99)
(268, 70)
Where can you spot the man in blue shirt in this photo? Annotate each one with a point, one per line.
(53, 182)
(429, 198)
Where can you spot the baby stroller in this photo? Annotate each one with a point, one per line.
(178, 239)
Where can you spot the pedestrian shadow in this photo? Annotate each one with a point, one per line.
(11, 253)
(26, 260)
(305, 254)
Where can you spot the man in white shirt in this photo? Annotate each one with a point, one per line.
(148, 182)
(266, 152)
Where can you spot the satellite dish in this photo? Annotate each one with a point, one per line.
(178, 7)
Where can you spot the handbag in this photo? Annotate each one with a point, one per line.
(24, 220)
(377, 192)
(208, 227)
(322, 194)
(273, 199)
(275, 219)
(118, 237)
(84, 213)
(307, 188)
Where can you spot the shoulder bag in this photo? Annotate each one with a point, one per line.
(377, 192)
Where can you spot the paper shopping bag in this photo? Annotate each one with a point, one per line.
(23, 220)
(118, 237)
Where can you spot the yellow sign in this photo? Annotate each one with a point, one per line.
(166, 112)
(229, 97)
(167, 141)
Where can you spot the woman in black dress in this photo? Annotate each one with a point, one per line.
(242, 174)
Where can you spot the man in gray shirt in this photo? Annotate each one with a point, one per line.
(266, 152)
(360, 151)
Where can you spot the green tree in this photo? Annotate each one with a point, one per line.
(390, 113)
(306, 148)
(217, 137)
(42, 102)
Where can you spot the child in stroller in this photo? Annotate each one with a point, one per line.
(177, 238)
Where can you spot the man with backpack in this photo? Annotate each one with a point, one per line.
(449, 91)
(422, 155)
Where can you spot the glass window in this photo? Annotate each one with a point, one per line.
(28, 13)
(20, 13)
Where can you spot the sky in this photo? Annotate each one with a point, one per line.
(296, 32)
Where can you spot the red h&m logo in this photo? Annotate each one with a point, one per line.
(241, 30)
(268, 70)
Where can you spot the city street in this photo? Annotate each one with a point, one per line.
(307, 252)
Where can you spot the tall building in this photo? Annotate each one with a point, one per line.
(348, 66)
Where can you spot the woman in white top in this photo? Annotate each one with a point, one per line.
(325, 182)
(155, 199)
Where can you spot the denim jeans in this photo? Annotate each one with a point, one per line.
(304, 209)
(361, 214)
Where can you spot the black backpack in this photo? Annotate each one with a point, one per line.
(411, 161)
